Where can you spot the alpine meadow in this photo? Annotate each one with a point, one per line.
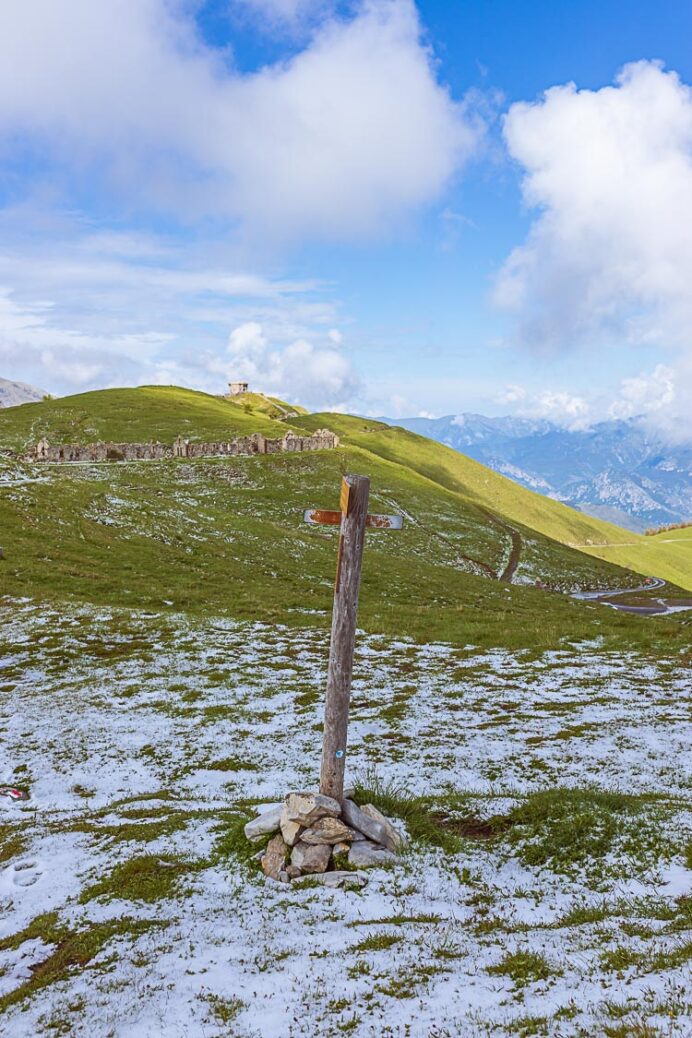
(316, 723)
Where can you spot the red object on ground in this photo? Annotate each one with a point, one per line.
(12, 793)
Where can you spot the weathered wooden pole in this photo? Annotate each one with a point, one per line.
(353, 519)
(355, 491)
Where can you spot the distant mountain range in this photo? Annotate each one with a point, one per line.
(617, 470)
(13, 393)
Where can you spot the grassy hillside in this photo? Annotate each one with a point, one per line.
(227, 535)
(663, 555)
(270, 406)
(667, 555)
(474, 482)
(132, 416)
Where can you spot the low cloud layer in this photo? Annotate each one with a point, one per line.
(341, 140)
(658, 397)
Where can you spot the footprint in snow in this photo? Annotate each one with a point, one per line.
(26, 873)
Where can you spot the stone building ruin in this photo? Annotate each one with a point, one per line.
(290, 442)
(234, 388)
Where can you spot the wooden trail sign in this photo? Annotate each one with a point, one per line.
(354, 520)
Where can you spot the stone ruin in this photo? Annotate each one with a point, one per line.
(322, 439)
(315, 836)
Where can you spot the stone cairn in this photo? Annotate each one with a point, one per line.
(315, 834)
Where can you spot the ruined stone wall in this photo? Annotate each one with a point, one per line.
(323, 439)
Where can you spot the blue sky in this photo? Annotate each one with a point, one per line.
(374, 206)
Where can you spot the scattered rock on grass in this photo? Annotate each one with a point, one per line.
(343, 880)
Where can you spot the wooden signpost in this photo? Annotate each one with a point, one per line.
(354, 520)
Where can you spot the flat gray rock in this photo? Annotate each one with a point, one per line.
(307, 808)
(340, 880)
(365, 855)
(357, 819)
(290, 830)
(274, 858)
(267, 822)
(394, 840)
(328, 830)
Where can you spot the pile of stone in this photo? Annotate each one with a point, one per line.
(314, 831)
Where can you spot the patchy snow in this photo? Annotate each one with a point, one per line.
(195, 717)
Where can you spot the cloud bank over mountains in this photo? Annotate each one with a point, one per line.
(608, 259)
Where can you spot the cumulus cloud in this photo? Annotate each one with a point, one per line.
(659, 398)
(346, 136)
(645, 394)
(609, 173)
(318, 376)
(554, 405)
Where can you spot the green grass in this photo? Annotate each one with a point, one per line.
(226, 537)
(571, 830)
(132, 416)
(663, 555)
(12, 843)
(72, 949)
(377, 942)
(650, 556)
(524, 967)
(146, 877)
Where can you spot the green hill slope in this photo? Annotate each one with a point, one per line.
(664, 555)
(226, 535)
(667, 555)
(474, 482)
(133, 416)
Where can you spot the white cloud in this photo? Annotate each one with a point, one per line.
(346, 137)
(645, 394)
(659, 397)
(286, 13)
(86, 309)
(512, 394)
(609, 254)
(562, 408)
(317, 376)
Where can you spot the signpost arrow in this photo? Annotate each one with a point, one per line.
(354, 520)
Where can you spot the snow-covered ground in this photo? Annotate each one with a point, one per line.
(143, 737)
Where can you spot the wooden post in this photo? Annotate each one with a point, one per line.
(355, 491)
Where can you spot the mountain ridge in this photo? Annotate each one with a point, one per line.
(13, 393)
(617, 470)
